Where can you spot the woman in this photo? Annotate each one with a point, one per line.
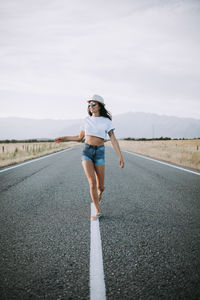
(95, 129)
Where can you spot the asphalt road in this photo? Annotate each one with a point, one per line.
(150, 231)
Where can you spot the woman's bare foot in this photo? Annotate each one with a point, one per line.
(97, 216)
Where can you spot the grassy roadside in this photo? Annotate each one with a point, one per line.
(12, 153)
(181, 152)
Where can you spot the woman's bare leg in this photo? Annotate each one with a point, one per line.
(100, 174)
(88, 167)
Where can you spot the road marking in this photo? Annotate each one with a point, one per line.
(162, 162)
(33, 160)
(97, 283)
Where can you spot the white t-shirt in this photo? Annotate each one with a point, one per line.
(97, 126)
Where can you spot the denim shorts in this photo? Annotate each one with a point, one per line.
(96, 154)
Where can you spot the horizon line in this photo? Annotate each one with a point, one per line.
(61, 119)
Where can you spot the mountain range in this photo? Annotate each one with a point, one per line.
(130, 124)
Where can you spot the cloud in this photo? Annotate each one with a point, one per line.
(139, 54)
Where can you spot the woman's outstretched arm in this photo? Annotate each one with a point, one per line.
(76, 138)
(116, 147)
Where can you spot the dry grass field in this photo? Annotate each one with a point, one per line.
(11, 153)
(181, 152)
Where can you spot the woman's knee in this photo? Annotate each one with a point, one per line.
(92, 183)
(101, 187)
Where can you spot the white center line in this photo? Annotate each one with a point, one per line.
(97, 283)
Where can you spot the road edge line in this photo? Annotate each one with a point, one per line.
(33, 160)
(161, 162)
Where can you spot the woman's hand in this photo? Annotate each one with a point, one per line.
(121, 162)
(59, 140)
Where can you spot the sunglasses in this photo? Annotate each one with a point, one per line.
(92, 104)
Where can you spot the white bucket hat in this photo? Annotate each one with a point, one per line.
(97, 98)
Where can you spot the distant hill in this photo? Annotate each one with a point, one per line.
(147, 125)
(22, 128)
(131, 124)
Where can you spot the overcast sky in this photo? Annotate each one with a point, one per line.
(139, 55)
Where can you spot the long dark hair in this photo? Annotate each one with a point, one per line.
(103, 112)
